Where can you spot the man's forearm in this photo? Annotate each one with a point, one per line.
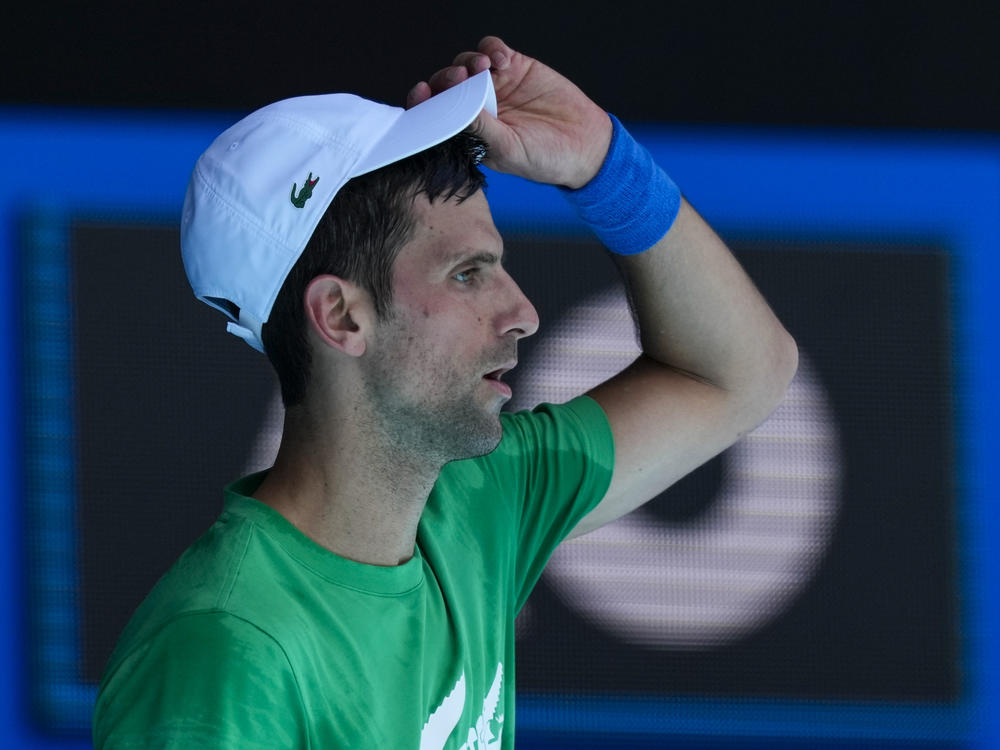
(699, 313)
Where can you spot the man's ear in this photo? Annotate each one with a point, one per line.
(339, 312)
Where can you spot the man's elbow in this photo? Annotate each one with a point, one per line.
(768, 389)
(786, 363)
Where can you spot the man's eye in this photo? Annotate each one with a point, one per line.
(467, 276)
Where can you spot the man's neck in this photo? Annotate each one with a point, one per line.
(348, 489)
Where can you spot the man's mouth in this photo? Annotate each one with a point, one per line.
(498, 373)
(494, 376)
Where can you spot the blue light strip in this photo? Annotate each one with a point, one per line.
(49, 406)
(741, 717)
(942, 189)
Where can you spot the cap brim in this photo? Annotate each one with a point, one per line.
(431, 122)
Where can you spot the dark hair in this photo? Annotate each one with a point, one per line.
(358, 239)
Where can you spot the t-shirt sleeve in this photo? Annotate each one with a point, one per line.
(205, 680)
(564, 457)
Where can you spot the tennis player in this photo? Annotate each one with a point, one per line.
(362, 592)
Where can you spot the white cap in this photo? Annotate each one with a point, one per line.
(260, 189)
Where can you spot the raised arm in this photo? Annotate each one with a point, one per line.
(715, 362)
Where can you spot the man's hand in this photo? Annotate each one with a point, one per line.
(547, 130)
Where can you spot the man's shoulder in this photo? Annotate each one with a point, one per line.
(201, 576)
(202, 581)
(553, 425)
(582, 409)
(172, 688)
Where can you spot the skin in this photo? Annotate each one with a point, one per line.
(360, 455)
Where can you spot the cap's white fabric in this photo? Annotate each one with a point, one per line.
(241, 233)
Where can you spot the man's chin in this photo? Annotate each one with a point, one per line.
(480, 442)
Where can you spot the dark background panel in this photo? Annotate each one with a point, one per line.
(916, 64)
(168, 406)
(879, 619)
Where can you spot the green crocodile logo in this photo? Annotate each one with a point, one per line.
(299, 201)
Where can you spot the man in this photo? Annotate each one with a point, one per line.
(362, 592)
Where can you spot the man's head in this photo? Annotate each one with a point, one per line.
(313, 210)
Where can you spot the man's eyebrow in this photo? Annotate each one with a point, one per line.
(485, 257)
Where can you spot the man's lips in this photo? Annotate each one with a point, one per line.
(493, 377)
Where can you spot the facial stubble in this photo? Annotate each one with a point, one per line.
(427, 409)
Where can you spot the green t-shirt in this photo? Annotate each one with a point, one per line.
(259, 638)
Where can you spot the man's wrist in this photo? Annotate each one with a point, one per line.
(630, 203)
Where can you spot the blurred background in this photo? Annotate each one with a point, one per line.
(828, 582)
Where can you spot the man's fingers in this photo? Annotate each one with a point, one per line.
(491, 53)
(473, 62)
(419, 93)
(465, 64)
(498, 52)
(447, 77)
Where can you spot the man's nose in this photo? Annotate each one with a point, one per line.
(519, 317)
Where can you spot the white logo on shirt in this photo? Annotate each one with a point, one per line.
(442, 722)
(481, 736)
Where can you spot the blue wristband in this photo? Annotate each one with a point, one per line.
(630, 203)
